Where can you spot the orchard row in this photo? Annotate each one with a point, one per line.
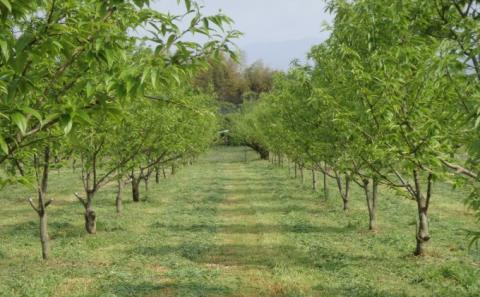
(391, 98)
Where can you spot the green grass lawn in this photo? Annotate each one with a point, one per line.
(223, 227)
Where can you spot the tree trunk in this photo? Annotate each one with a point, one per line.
(344, 193)
(44, 235)
(301, 174)
(173, 169)
(325, 183)
(42, 173)
(118, 200)
(346, 199)
(164, 173)
(314, 180)
(90, 215)
(157, 175)
(371, 197)
(135, 189)
(264, 154)
(145, 181)
(296, 170)
(423, 204)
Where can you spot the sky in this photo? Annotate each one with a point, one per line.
(275, 31)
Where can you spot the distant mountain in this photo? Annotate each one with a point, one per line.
(278, 55)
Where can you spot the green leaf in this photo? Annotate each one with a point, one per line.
(176, 78)
(4, 48)
(146, 71)
(3, 145)
(170, 40)
(89, 89)
(154, 79)
(32, 112)
(67, 124)
(20, 120)
(108, 56)
(7, 4)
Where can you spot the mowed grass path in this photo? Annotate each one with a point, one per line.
(223, 227)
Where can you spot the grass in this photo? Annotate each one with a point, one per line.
(223, 227)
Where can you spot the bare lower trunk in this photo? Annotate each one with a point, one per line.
(174, 169)
(296, 166)
(302, 176)
(157, 175)
(42, 173)
(90, 215)
(145, 181)
(118, 200)
(346, 197)
(325, 183)
(135, 190)
(423, 232)
(164, 173)
(371, 197)
(44, 235)
(314, 180)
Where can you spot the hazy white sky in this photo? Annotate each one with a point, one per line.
(267, 22)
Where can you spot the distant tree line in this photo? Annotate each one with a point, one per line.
(233, 83)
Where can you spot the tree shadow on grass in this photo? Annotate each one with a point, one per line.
(266, 255)
(252, 210)
(123, 289)
(354, 290)
(252, 228)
